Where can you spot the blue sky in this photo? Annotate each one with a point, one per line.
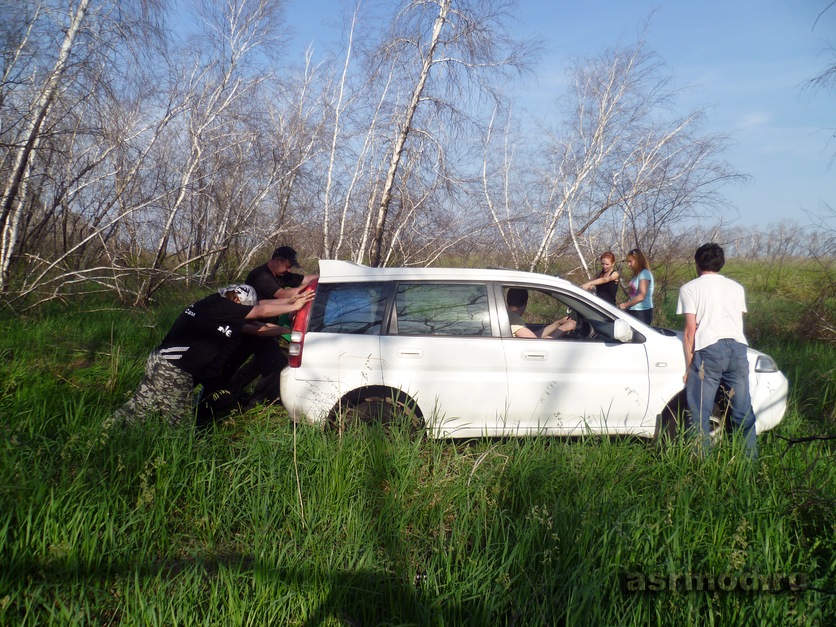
(746, 61)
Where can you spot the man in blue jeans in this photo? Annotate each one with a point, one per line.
(715, 348)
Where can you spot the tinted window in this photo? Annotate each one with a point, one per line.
(443, 309)
(349, 308)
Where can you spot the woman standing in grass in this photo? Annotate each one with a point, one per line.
(606, 284)
(640, 301)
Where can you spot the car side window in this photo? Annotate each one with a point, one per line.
(357, 308)
(442, 309)
(545, 306)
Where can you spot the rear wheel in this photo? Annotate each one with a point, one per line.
(383, 410)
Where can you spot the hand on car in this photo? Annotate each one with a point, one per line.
(300, 300)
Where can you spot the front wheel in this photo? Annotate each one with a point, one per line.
(717, 420)
(673, 423)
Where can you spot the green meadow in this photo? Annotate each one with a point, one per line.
(259, 521)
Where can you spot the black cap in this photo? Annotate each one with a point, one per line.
(286, 252)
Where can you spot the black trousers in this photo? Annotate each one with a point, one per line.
(255, 358)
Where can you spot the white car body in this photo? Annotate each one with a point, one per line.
(619, 381)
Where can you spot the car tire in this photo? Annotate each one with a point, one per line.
(719, 423)
(672, 423)
(383, 410)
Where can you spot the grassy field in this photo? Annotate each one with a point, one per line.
(262, 522)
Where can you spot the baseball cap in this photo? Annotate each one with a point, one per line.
(246, 294)
(286, 252)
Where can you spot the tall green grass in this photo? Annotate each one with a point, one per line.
(260, 521)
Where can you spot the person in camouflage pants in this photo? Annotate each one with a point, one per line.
(196, 348)
(165, 390)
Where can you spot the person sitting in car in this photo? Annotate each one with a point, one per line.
(517, 300)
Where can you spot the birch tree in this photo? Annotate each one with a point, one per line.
(27, 139)
(623, 157)
(221, 79)
(497, 188)
(59, 76)
(339, 108)
(451, 45)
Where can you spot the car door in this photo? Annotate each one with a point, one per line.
(585, 382)
(444, 348)
(341, 343)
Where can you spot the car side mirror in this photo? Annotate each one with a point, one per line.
(622, 331)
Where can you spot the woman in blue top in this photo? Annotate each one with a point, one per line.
(640, 302)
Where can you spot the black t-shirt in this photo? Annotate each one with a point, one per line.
(266, 283)
(204, 335)
(607, 291)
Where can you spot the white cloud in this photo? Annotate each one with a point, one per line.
(755, 119)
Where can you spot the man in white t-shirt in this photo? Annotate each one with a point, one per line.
(715, 348)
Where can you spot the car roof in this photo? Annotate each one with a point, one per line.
(332, 271)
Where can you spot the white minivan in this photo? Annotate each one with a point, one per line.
(434, 346)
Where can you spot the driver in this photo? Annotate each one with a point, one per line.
(517, 300)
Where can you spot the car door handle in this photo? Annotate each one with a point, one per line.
(415, 353)
(532, 356)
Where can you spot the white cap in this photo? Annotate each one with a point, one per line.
(246, 294)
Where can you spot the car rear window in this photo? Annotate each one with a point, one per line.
(443, 309)
(349, 308)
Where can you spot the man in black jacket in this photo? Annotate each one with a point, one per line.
(274, 279)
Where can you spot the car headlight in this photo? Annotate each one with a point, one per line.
(765, 364)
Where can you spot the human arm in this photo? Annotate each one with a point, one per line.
(688, 337)
(276, 307)
(612, 276)
(288, 291)
(641, 293)
(525, 332)
(558, 328)
(264, 329)
(283, 293)
(555, 330)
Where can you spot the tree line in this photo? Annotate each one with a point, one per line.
(145, 141)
